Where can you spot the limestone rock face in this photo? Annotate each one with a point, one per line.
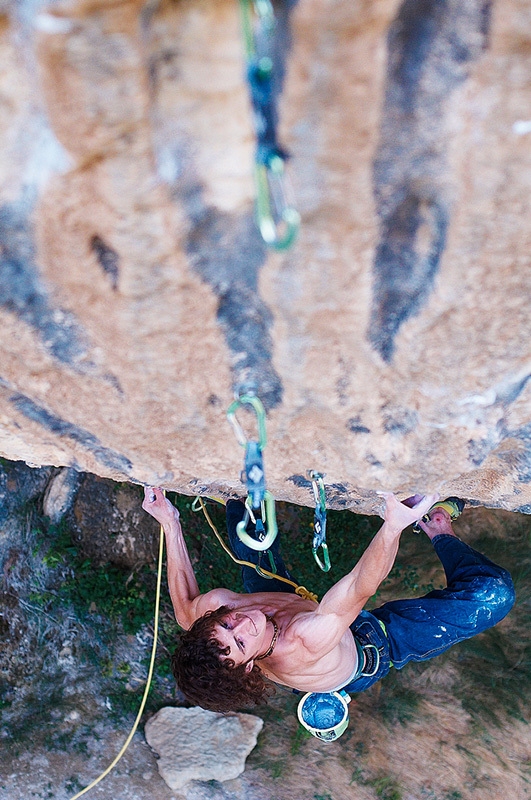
(194, 744)
(390, 344)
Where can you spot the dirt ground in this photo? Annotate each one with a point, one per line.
(436, 757)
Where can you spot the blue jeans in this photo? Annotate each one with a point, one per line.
(478, 595)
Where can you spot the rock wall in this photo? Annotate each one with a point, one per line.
(390, 344)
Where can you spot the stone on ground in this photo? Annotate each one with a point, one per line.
(194, 744)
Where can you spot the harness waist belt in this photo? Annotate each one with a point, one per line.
(368, 660)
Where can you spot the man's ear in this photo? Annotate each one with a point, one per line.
(249, 666)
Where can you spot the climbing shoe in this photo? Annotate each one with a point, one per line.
(453, 505)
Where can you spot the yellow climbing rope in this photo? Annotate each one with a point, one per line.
(300, 590)
(149, 677)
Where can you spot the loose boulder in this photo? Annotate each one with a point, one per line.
(198, 745)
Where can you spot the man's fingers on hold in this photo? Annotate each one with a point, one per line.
(150, 493)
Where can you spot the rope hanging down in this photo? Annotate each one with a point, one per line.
(258, 500)
(277, 219)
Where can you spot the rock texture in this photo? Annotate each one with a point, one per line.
(390, 344)
(60, 493)
(109, 526)
(198, 745)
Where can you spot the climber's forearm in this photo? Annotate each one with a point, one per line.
(182, 582)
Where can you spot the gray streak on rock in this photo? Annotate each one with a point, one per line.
(108, 259)
(23, 293)
(105, 455)
(227, 252)
(431, 44)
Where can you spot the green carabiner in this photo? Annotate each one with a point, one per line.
(324, 565)
(269, 517)
(319, 521)
(255, 402)
(265, 17)
(277, 219)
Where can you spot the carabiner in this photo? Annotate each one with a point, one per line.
(256, 403)
(277, 219)
(268, 518)
(265, 21)
(253, 467)
(319, 520)
(253, 474)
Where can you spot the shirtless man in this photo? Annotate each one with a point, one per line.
(234, 640)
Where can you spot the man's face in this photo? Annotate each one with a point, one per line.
(245, 633)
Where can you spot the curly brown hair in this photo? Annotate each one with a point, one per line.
(209, 681)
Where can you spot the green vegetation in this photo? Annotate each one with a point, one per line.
(298, 738)
(396, 701)
(385, 787)
(105, 590)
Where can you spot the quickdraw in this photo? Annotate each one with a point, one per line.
(260, 504)
(277, 219)
(302, 591)
(319, 520)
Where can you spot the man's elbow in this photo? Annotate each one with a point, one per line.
(184, 618)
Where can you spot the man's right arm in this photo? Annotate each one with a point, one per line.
(339, 607)
(188, 602)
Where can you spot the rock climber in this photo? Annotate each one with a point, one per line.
(233, 641)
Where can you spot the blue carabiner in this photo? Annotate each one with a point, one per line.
(253, 474)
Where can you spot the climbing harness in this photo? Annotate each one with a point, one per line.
(324, 714)
(277, 219)
(300, 590)
(319, 520)
(258, 498)
(149, 677)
